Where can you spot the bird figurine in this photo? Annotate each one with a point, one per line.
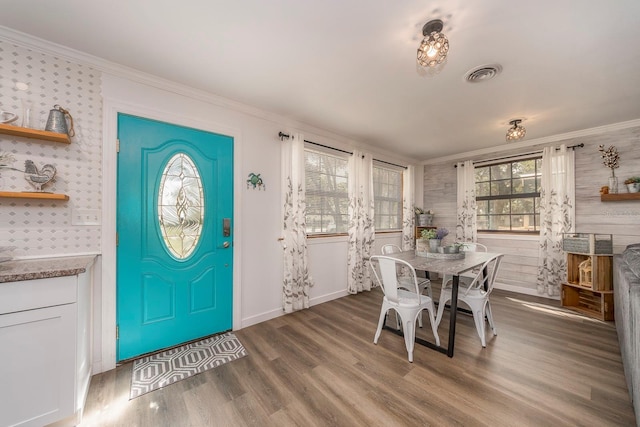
(38, 178)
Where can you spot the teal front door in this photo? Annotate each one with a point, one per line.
(174, 223)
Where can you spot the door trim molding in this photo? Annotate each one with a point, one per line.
(111, 108)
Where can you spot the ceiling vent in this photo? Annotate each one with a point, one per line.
(482, 73)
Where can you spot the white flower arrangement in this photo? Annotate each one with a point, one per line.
(610, 158)
(420, 211)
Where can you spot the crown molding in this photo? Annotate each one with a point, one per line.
(47, 47)
(50, 48)
(535, 142)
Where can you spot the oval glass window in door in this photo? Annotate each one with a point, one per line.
(180, 206)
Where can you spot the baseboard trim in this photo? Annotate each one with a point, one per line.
(521, 290)
(272, 314)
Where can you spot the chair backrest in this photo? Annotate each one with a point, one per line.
(484, 282)
(473, 247)
(387, 276)
(390, 249)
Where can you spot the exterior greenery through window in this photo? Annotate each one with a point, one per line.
(387, 195)
(327, 192)
(508, 196)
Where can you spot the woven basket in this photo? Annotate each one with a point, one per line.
(587, 243)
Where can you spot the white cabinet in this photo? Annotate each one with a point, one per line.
(45, 350)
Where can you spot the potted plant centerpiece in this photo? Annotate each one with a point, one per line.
(633, 184)
(435, 237)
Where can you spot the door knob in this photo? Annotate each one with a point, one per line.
(226, 245)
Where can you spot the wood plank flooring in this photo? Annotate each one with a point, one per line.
(319, 367)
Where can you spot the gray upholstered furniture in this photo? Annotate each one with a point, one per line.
(626, 280)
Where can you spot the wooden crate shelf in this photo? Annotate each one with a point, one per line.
(591, 303)
(589, 286)
(601, 271)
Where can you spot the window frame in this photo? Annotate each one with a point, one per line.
(325, 152)
(510, 197)
(399, 199)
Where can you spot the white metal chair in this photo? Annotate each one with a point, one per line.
(408, 305)
(423, 283)
(467, 247)
(405, 280)
(475, 295)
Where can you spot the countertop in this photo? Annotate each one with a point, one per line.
(43, 268)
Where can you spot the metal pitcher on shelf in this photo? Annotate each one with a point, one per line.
(57, 121)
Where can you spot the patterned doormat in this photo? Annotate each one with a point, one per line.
(170, 366)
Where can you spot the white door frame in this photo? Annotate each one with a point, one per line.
(111, 108)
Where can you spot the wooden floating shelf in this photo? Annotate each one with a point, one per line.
(33, 195)
(619, 197)
(34, 133)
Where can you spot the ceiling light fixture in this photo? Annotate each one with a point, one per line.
(434, 46)
(516, 131)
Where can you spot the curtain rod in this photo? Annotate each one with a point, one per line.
(283, 135)
(389, 163)
(523, 154)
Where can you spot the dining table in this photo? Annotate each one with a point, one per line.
(444, 265)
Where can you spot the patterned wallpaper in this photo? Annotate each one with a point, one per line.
(44, 228)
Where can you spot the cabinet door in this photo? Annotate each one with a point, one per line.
(37, 365)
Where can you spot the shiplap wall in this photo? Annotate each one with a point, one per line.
(621, 219)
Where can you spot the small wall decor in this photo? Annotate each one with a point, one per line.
(255, 182)
(38, 178)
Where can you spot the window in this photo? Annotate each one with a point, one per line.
(327, 192)
(387, 195)
(508, 196)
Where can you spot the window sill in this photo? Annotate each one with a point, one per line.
(508, 236)
(319, 239)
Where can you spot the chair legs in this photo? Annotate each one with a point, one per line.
(434, 326)
(398, 320)
(478, 319)
(490, 319)
(478, 308)
(383, 315)
(409, 328)
(409, 320)
(445, 295)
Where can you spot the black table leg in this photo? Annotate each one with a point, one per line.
(452, 315)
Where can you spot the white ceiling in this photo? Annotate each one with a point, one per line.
(348, 66)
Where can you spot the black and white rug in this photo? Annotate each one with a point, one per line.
(170, 366)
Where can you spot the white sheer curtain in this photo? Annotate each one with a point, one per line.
(557, 216)
(361, 227)
(408, 211)
(466, 227)
(296, 283)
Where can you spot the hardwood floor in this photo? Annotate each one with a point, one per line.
(319, 367)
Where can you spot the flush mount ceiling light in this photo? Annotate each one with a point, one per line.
(516, 131)
(434, 46)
